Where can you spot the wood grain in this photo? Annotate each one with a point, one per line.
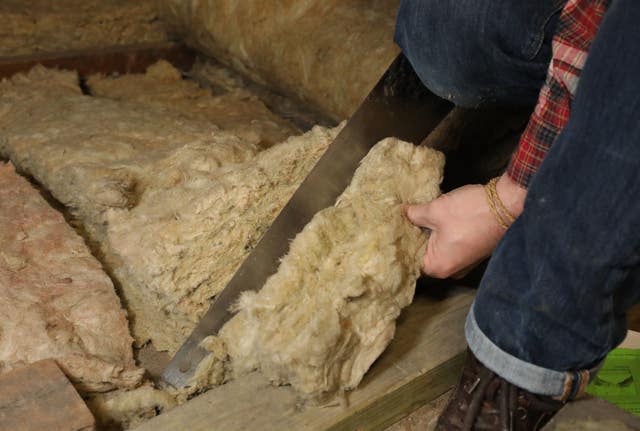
(40, 397)
(422, 362)
(120, 59)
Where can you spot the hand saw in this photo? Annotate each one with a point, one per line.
(398, 106)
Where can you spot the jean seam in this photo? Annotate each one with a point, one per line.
(535, 44)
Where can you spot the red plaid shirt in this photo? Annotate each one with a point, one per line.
(577, 27)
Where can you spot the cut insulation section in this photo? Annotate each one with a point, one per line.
(330, 310)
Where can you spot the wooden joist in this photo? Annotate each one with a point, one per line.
(121, 59)
(422, 362)
(40, 397)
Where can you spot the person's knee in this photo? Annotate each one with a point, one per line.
(436, 43)
(477, 51)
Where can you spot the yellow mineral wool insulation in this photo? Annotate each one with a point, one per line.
(34, 26)
(95, 153)
(55, 300)
(232, 109)
(327, 53)
(173, 202)
(330, 310)
(180, 245)
(128, 409)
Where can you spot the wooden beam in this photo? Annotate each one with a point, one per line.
(40, 397)
(121, 59)
(422, 362)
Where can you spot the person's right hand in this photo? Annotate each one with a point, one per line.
(463, 229)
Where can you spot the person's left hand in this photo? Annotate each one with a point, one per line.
(463, 229)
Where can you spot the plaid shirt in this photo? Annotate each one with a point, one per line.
(577, 27)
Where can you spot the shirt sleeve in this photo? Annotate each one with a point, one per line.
(577, 27)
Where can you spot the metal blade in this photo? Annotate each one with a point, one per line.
(398, 106)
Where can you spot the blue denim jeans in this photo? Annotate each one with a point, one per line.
(476, 52)
(556, 291)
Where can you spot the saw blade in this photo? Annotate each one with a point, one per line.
(398, 106)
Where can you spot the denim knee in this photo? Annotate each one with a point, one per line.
(476, 52)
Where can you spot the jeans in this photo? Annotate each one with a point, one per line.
(556, 291)
(479, 52)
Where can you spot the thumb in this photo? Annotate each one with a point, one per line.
(420, 215)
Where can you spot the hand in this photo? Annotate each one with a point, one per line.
(463, 229)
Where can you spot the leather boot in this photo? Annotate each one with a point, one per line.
(485, 401)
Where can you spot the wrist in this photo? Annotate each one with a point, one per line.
(512, 194)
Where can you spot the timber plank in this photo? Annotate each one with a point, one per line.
(422, 362)
(120, 59)
(40, 397)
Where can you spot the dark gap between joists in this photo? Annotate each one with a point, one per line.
(121, 59)
(82, 83)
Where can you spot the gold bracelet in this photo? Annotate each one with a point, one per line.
(493, 186)
(497, 207)
(494, 210)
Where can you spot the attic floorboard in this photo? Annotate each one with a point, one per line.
(422, 362)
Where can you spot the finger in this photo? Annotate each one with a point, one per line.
(432, 264)
(420, 215)
(435, 265)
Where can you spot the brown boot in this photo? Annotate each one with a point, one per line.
(484, 401)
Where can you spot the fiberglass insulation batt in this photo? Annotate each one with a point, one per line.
(55, 300)
(327, 53)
